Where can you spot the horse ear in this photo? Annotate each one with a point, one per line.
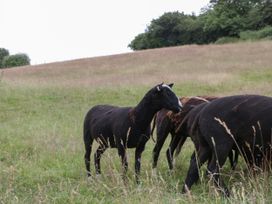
(158, 88)
(171, 85)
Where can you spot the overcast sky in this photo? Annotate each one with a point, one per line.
(56, 30)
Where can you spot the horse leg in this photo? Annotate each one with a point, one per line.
(219, 157)
(203, 154)
(120, 144)
(138, 153)
(162, 134)
(103, 145)
(97, 156)
(235, 161)
(176, 140)
(88, 141)
(123, 155)
(231, 160)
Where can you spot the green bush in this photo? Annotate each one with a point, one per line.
(220, 18)
(3, 53)
(224, 40)
(265, 33)
(16, 60)
(170, 29)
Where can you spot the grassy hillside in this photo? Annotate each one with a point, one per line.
(42, 110)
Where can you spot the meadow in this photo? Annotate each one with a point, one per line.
(42, 108)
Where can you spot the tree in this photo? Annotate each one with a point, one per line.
(220, 18)
(3, 53)
(140, 42)
(230, 17)
(20, 59)
(171, 29)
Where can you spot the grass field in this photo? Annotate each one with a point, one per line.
(42, 109)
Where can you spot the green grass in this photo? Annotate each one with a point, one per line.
(42, 111)
(41, 150)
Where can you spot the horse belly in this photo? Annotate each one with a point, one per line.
(133, 142)
(112, 142)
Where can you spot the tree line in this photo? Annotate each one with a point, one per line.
(221, 21)
(7, 60)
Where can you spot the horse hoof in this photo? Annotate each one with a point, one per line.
(98, 176)
(90, 179)
(185, 190)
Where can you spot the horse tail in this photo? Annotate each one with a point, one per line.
(88, 141)
(153, 127)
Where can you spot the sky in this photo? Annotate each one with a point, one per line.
(58, 30)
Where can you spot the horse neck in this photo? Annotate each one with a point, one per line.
(144, 112)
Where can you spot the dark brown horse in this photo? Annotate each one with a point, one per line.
(167, 122)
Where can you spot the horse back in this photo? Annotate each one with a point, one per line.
(107, 120)
(246, 116)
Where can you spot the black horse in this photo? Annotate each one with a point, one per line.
(242, 122)
(125, 127)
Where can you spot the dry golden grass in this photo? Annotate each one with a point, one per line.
(211, 64)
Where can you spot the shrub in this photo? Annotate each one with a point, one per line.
(16, 60)
(3, 53)
(265, 33)
(224, 40)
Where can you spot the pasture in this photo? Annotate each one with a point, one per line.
(42, 109)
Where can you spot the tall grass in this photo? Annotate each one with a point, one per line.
(41, 145)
